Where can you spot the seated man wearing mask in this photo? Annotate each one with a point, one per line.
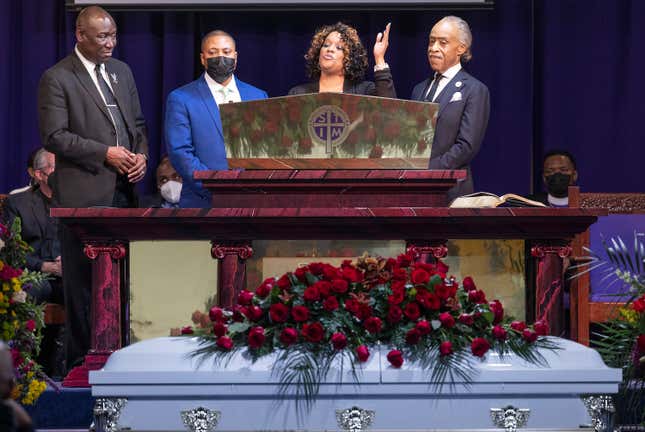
(38, 229)
(558, 173)
(192, 127)
(169, 185)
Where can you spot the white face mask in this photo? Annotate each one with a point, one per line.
(171, 191)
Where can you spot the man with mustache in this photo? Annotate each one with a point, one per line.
(192, 127)
(464, 102)
(90, 118)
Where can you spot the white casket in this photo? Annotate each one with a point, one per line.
(146, 386)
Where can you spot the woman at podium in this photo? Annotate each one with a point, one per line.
(336, 62)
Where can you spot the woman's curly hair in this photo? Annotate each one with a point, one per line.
(355, 56)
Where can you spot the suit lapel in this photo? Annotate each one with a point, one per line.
(451, 88)
(118, 89)
(209, 101)
(86, 81)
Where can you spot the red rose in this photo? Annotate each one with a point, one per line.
(639, 305)
(254, 313)
(316, 268)
(373, 325)
(497, 309)
(225, 343)
(431, 302)
(423, 327)
(469, 284)
(442, 269)
(352, 274)
(364, 312)
(239, 312)
(339, 286)
(412, 337)
(412, 311)
(216, 314)
(301, 273)
(279, 312)
(499, 332)
(362, 353)
(339, 341)
(256, 337)
(395, 357)
(447, 320)
(541, 328)
(265, 288)
(404, 260)
(529, 335)
(245, 297)
(466, 319)
(330, 304)
(397, 296)
(445, 348)
(289, 336)
(479, 346)
(518, 326)
(442, 291)
(399, 274)
(394, 314)
(311, 294)
(352, 306)
(284, 283)
(30, 325)
(419, 277)
(640, 343)
(219, 329)
(313, 332)
(477, 296)
(300, 313)
(187, 330)
(330, 272)
(323, 287)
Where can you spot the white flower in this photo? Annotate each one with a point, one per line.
(19, 296)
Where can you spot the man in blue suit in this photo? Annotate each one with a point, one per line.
(192, 127)
(464, 102)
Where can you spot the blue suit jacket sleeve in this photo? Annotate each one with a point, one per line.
(178, 135)
(472, 127)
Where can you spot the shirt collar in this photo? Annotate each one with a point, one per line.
(558, 202)
(231, 87)
(89, 65)
(452, 71)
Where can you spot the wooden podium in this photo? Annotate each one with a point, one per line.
(324, 198)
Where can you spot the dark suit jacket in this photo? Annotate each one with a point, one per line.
(383, 86)
(38, 229)
(76, 126)
(461, 125)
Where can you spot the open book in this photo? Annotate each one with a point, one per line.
(486, 199)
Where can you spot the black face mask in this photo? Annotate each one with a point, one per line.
(558, 184)
(220, 68)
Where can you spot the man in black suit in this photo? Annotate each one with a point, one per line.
(38, 229)
(464, 102)
(558, 173)
(91, 119)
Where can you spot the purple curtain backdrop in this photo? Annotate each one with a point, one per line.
(561, 74)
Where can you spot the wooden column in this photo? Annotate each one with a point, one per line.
(231, 274)
(105, 309)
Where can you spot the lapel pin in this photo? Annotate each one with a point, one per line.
(114, 80)
(458, 84)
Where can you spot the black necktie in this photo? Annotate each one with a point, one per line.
(115, 112)
(433, 87)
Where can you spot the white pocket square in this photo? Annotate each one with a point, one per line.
(456, 96)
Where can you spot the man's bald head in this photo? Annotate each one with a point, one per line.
(89, 13)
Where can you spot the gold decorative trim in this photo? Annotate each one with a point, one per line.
(622, 203)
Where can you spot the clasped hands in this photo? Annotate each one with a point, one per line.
(126, 162)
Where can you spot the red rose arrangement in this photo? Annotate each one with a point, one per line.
(326, 311)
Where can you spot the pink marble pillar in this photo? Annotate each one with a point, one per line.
(105, 310)
(231, 276)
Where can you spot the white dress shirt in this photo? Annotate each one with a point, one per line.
(90, 69)
(223, 94)
(444, 80)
